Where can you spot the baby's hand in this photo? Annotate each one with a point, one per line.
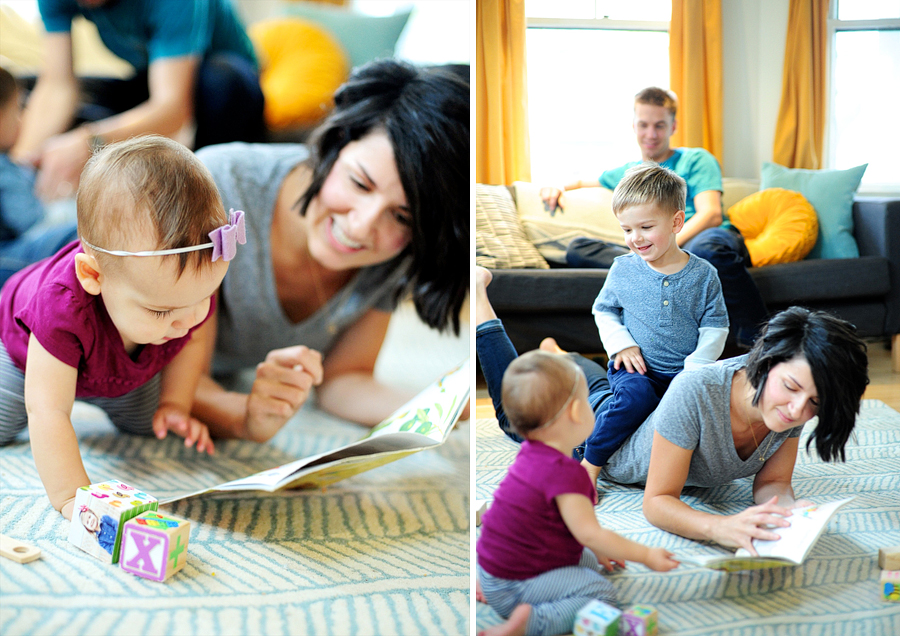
(632, 359)
(169, 417)
(660, 560)
(608, 563)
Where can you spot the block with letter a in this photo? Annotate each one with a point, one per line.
(154, 545)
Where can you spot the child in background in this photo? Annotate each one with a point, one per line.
(541, 548)
(660, 310)
(109, 318)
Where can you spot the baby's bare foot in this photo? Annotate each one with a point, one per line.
(515, 626)
(479, 595)
(550, 346)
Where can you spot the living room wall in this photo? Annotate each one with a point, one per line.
(754, 33)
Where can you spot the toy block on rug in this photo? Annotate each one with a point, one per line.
(638, 620)
(154, 546)
(100, 512)
(481, 507)
(597, 619)
(890, 585)
(889, 558)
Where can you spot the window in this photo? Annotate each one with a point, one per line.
(586, 60)
(865, 90)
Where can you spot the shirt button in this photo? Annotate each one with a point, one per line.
(332, 328)
(666, 302)
(665, 283)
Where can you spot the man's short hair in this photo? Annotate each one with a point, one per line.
(650, 183)
(655, 96)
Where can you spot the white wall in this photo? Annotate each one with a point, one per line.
(754, 33)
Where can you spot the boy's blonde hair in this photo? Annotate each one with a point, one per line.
(655, 96)
(148, 187)
(650, 183)
(536, 386)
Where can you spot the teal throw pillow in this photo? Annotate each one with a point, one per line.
(364, 37)
(831, 193)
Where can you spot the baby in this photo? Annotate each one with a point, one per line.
(660, 310)
(109, 318)
(541, 552)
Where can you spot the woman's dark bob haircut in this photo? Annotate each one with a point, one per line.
(425, 113)
(837, 359)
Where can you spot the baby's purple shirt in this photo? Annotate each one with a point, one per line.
(74, 327)
(523, 533)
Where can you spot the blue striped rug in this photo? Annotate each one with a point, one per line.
(384, 552)
(834, 593)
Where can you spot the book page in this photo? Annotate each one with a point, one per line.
(807, 524)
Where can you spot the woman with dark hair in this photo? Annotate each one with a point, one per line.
(738, 417)
(374, 210)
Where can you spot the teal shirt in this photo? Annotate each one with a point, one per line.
(696, 166)
(142, 31)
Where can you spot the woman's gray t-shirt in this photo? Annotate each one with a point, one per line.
(695, 414)
(251, 321)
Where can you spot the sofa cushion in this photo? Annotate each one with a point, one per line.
(588, 212)
(831, 193)
(778, 225)
(500, 241)
(302, 65)
(823, 280)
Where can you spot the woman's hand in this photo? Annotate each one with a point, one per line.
(61, 163)
(282, 386)
(738, 531)
(170, 417)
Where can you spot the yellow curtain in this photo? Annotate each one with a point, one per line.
(800, 129)
(501, 105)
(695, 72)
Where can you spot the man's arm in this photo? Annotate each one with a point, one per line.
(53, 101)
(707, 214)
(169, 108)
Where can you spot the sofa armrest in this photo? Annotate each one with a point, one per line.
(876, 223)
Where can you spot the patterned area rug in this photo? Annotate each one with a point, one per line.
(834, 593)
(385, 552)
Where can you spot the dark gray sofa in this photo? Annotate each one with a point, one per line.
(535, 303)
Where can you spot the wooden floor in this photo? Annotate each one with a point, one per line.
(883, 384)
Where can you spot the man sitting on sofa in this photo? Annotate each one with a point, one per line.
(706, 234)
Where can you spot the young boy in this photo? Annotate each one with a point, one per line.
(109, 318)
(660, 310)
(542, 552)
(20, 209)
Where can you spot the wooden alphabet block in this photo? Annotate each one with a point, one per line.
(597, 619)
(100, 512)
(154, 545)
(638, 620)
(890, 585)
(481, 507)
(889, 558)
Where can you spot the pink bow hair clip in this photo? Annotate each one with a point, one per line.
(226, 238)
(224, 241)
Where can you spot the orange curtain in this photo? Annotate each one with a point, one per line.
(800, 129)
(501, 104)
(695, 72)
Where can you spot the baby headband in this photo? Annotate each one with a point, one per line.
(565, 404)
(224, 241)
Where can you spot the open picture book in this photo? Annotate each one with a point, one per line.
(795, 544)
(423, 422)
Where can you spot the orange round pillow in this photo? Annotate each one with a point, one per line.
(302, 65)
(778, 225)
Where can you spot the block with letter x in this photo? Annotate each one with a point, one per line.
(154, 545)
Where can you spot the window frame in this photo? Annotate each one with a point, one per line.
(835, 26)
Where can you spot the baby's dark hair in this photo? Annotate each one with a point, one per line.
(536, 385)
(650, 183)
(8, 87)
(148, 192)
(837, 359)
